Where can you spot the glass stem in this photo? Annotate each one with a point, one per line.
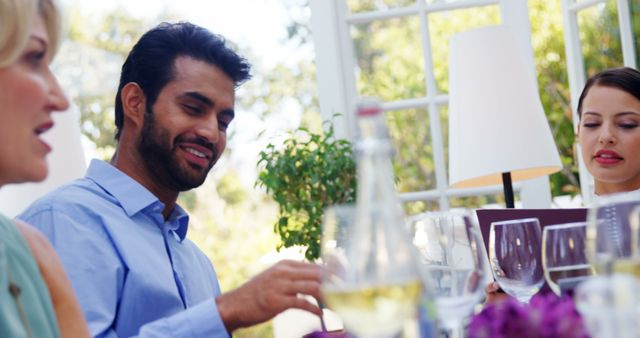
(455, 332)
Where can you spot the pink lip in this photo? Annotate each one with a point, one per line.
(199, 161)
(39, 130)
(44, 127)
(206, 151)
(46, 146)
(607, 157)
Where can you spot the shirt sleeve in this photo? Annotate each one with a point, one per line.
(201, 320)
(97, 275)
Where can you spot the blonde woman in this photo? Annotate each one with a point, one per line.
(36, 298)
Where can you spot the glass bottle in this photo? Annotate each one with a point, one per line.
(378, 287)
(387, 254)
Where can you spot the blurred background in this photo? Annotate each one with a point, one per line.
(232, 220)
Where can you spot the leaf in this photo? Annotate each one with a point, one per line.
(309, 172)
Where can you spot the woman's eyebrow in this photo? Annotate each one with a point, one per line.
(40, 39)
(625, 113)
(591, 113)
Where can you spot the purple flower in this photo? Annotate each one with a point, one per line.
(327, 334)
(546, 316)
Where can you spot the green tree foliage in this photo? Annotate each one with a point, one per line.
(105, 41)
(548, 45)
(234, 232)
(310, 172)
(635, 22)
(230, 189)
(115, 32)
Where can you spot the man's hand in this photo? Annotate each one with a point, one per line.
(269, 293)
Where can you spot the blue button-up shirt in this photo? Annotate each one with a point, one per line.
(134, 273)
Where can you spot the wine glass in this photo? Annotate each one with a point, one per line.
(370, 278)
(453, 254)
(608, 305)
(514, 254)
(612, 234)
(564, 258)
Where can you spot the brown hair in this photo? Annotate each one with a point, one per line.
(624, 78)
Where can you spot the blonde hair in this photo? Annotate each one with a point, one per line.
(16, 19)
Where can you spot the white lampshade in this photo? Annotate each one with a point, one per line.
(496, 120)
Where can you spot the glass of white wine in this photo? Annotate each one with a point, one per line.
(564, 257)
(370, 279)
(452, 251)
(515, 257)
(612, 234)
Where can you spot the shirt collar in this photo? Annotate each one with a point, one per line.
(178, 222)
(133, 196)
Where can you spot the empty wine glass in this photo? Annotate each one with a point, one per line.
(370, 279)
(564, 258)
(608, 305)
(515, 257)
(452, 252)
(612, 234)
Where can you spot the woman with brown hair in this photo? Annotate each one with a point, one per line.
(609, 130)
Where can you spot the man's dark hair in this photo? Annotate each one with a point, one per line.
(151, 62)
(624, 78)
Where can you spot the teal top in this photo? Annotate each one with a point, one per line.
(26, 310)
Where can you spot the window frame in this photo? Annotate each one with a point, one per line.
(335, 61)
(576, 68)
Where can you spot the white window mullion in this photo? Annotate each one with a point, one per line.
(348, 64)
(576, 75)
(419, 102)
(391, 13)
(575, 7)
(573, 50)
(332, 93)
(459, 4)
(626, 34)
(434, 113)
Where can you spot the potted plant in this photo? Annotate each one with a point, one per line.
(309, 172)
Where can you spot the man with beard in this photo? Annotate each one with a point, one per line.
(119, 231)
